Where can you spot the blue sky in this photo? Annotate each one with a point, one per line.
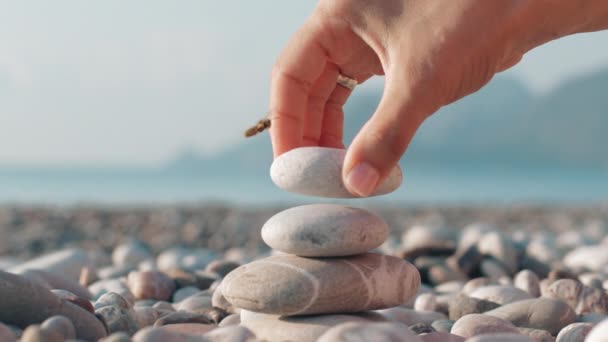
(136, 82)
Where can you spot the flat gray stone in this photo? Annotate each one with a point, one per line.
(317, 171)
(324, 230)
(290, 285)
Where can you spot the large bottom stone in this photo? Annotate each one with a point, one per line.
(290, 285)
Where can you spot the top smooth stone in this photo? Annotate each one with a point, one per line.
(317, 171)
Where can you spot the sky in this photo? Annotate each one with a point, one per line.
(136, 82)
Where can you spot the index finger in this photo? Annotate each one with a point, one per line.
(293, 75)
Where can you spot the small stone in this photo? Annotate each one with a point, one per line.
(162, 305)
(528, 281)
(118, 337)
(182, 317)
(363, 282)
(196, 304)
(130, 254)
(222, 267)
(185, 258)
(7, 334)
(151, 334)
(233, 333)
(189, 329)
(440, 336)
(593, 258)
(150, 285)
(427, 240)
(583, 299)
(380, 331)
(34, 333)
(443, 325)
(317, 171)
(575, 332)
(184, 293)
(74, 299)
(476, 283)
(502, 337)
(599, 333)
(112, 299)
(60, 325)
(410, 317)
(421, 328)
(425, 302)
(501, 294)
(501, 248)
(493, 269)
(463, 305)
(145, 316)
(537, 335)
(479, 324)
(117, 319)
(324, 230)
(66, 263)
(539, 313)
(111, 272)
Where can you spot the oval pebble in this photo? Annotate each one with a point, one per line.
(317, 171)
(575, 332)
(304, 286)
(150, 285)
(318, 230)
(61, 325)
(501, 294)
(479, 324)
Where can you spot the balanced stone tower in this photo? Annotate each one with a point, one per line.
(325, 266)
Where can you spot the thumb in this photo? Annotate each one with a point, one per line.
(379, 145)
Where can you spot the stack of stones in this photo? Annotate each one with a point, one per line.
(323, 265)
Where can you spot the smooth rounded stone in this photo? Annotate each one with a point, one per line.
(501, 294)
(185, 278)
(324, 230)
(232, 319)
(60, 325)
(7, 334)
(317, 171)
(74, 299)
(593, 318)
(454, 286)
(502, 337)
(443, 325)
(25, 302)
(425, 302)
(440, 336)
(118, 319)
(475, 283)
(593, 258)
(66, 263)
(34, 333)
(472, 233)
(409, 316)
(130, 253)
(162, 305)
(464, 305)
(188, 259)
(151, 334)
(102, 286)
(493, 269)
(442, 273)
(583, 299)
(150, 285)
(479, 324)
(233, 333)
(421, 240)
(197, 304)
(182, 317)
(222, 267)
(189, 329)
(303, 286)
(145, 316)
(466, 260)
(501, 248)
(273, 328)
(111, 272)
(184, 293)
(118, 337)
(421, 328)
(527, 281)
(112, 299)
(537, 335)
(376, 331)
(575, 332)
(147, 265)
(599, 333)
(539, 313)
(59, 282)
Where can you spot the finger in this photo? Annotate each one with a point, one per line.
(293, 75)
(317, 99)
(382, 141)
(333, 116)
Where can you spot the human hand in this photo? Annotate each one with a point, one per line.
(432, 53)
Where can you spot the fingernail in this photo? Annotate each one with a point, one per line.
(362, 179)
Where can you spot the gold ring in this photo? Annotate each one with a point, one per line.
(347, 82)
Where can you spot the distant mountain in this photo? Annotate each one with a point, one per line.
(502, 125)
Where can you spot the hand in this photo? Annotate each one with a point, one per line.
(432, 53)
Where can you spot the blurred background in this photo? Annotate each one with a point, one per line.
(146, 101)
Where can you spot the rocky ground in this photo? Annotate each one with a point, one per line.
(153, 274)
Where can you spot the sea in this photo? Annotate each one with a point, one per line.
(444, 185)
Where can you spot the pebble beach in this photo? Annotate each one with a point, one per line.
(315, 272)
